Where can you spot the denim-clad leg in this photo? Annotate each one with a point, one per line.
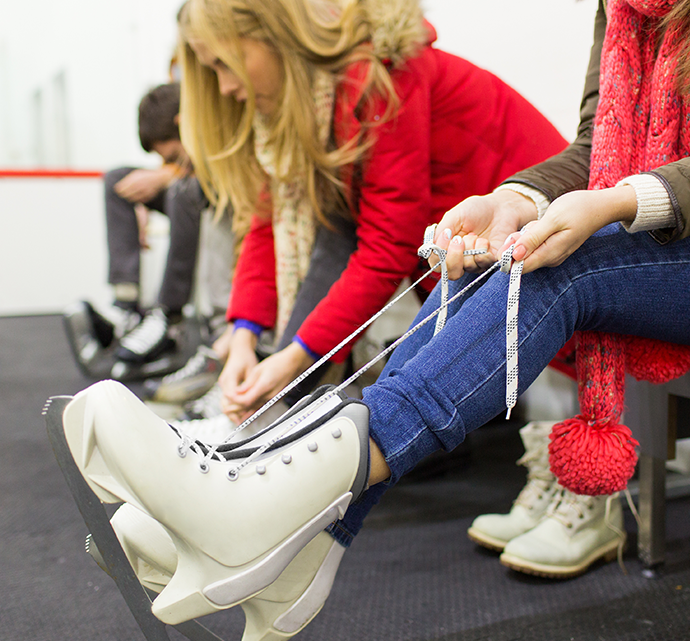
(437, 389)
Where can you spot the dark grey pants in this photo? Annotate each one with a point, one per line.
(183, 203)
(332, 250)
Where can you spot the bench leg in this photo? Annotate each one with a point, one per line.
(652, 510)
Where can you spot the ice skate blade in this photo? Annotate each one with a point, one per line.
(278, 612)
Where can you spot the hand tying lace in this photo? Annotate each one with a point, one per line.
(505, 264)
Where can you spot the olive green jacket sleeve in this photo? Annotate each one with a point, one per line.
(676, 179)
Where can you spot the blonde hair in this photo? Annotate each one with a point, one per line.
(217, 131)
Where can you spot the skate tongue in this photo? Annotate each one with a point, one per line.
(299, 420)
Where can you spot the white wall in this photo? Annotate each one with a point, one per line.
(540, 47)
(108, 54)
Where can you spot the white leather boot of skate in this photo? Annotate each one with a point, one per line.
(279, 612)
(238, 517)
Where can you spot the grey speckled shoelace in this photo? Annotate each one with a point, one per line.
(505, 264)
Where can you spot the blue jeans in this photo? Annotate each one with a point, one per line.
(436, 389)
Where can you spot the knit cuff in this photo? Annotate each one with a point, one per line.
(243, 323)
(654, 208)
(306, 348)
(539, 198)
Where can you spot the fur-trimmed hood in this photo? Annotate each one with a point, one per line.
(398, 28)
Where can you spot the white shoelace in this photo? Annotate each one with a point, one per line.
(149, 332)
(505, 264)
(209, 405)
(568, 507)
(195, 365)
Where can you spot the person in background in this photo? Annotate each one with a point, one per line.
(139, 337)
(296, 112)
(605, 249)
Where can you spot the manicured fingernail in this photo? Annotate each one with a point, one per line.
(456, 240)
(519, 252)
(447, 234)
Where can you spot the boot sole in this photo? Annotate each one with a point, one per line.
(607, 552)
(486, 541)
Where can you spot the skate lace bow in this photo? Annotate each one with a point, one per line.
(505, 264)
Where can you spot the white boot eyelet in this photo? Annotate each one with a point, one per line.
(181, 451)
(233, 475)
(313, 447)
(204, 467)
(261, 470)
(287, 459)
(336, 433)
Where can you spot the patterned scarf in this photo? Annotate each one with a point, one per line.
(294, 219)
(640, 124)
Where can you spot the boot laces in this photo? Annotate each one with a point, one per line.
(122, 320)
(206, 452)
(208, 405)
(567, 507)
(196, 365)
(540, 479)
(147, 334)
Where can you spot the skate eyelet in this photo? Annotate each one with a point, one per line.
(233, 475)
(261, 470)
(336, 433)
(181, 451)
(287, 459)
(204, 467)
(312, 447)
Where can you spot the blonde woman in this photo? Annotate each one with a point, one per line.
(611, 258)
(294, 109)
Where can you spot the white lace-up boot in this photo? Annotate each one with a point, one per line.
(493, 531)
(197, 377)
(207, 406)
(279, 612)
(148, 340)
(90, 331)
(237, 517)
(576, 531)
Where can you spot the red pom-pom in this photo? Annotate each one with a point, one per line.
(592, 459)
(655, 361)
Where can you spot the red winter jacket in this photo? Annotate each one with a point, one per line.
(459, 131)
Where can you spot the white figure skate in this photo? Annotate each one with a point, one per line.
(238, 516)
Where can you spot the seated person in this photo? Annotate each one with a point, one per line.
(171, 189)
(391, 134)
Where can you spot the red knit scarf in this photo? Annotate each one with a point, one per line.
(638, 127)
